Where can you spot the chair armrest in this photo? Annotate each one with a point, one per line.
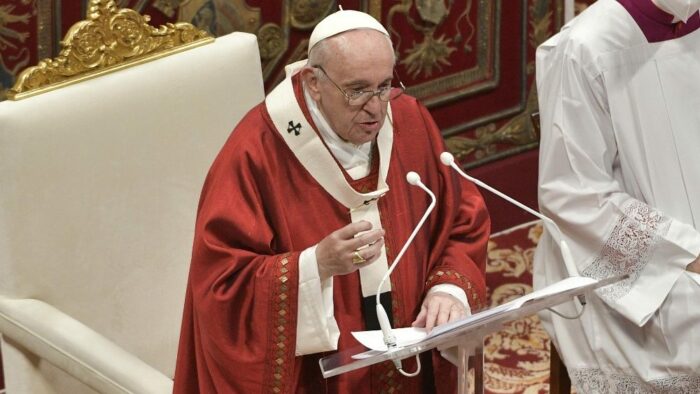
(76, 349)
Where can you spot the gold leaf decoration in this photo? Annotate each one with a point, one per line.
(431, 53)
(518, 131)
(110, 39)
(510, 262)
(516, 357)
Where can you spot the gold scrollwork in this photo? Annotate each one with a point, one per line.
(271, 41)
(518, 131)
(307, 13)
(110, 39)
(432, 52)
(14, 41)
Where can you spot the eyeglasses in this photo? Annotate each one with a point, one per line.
(361, 97)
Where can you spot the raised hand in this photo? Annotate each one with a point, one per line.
(348, 249)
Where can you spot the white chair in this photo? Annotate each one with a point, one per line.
(99, 185)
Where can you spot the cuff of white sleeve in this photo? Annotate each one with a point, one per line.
(317, 330)
(455, 291)
(450, 354)
(649, 290)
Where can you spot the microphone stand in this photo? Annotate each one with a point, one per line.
(448, 159)
(389, 337)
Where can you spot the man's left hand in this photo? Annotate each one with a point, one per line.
(439, 308)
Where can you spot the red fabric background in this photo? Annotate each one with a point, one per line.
(515, 176)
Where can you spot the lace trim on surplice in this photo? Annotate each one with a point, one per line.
(597, 381)
(628, 248)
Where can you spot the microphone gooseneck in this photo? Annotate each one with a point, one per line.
(389, 337)
(448, 159)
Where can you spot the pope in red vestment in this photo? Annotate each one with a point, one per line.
(268, 197)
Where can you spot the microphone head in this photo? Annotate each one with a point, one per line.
(413, 178)
(446, 158)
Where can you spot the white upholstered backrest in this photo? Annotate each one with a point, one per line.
(99, 185)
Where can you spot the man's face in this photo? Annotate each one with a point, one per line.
(357, 60)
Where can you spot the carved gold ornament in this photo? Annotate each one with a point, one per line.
(109, 40)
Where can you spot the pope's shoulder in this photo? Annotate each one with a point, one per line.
(254, 129)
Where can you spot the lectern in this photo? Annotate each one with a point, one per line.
(466, 334)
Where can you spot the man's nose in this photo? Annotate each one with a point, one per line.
(373, 105)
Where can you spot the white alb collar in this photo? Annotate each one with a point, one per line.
(355, 159)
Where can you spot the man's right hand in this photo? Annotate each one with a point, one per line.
(337, 253)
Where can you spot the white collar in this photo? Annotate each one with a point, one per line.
(355, 159)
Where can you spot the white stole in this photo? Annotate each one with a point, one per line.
(290, 122)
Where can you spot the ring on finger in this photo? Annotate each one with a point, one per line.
(357, 258)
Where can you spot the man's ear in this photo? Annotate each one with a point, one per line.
(308, 75)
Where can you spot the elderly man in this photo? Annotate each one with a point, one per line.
(301, 214)
(620, 174)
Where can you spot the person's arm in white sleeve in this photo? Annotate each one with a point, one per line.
(317, 330)
(609, 231)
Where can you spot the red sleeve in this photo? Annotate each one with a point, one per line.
(462, 259)
(241, 302)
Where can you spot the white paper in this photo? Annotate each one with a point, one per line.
(404, 336)
(409, 335)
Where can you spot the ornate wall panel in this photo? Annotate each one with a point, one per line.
(469, 61)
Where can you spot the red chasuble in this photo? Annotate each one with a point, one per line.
(260, 209)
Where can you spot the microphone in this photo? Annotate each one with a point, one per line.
(447, 159)
(389, 337)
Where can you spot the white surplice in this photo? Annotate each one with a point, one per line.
(620, 175)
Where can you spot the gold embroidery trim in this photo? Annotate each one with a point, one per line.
(389, 379)
(280, 336)
(445, 276)
(110, 39)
